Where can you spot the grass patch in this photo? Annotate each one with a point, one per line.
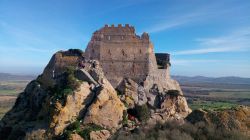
(211, 105)
(231, 94)
(9, 92)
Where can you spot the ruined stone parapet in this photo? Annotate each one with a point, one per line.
(119, 33)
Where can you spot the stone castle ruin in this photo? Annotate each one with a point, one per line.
(121, 84)
(123, 54)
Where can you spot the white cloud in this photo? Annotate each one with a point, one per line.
(174, 22)
(237, 41)
(185, 62)
(182, 16)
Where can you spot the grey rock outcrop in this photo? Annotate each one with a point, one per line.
(45, 109)
(100, 135)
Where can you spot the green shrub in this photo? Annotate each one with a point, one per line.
(67, 91)
(66, 86)
(85, 133)
(142, 112)
(173, 92)
(75, 126)
(71, 81)
(76, 52)
(125, 117)
(118, 92)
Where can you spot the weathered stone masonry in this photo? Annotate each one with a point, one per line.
(123, 54)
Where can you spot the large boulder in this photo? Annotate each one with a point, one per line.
(128, 90)
(75, 105)
(107, 109)
(100, 135)
(169, 106)
(175, 104)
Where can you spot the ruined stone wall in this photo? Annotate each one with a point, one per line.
(124, 61)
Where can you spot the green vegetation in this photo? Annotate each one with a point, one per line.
(9, 92)
(78, 52)
(85, 133)
(72, 128)
(173, 92)
(125, 118)
(142, 112)
(71, 82)
(67, 85)
(82, 130)
(230, 94)
(12, 88)
(211, 93)
(119, 93)
(211, 105)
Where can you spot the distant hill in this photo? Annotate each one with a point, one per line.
(181, 79)
(9, 77)
(219, 80)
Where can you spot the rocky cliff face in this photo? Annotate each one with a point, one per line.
(68, 101)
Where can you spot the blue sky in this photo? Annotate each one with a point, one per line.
(204, 37)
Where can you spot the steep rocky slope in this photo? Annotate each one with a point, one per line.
(68, 101)
(229, 124)
(237, 118)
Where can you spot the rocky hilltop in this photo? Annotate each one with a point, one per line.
(116, 87)
(68, 101)
(92, 94)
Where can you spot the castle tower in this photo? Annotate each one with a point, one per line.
(122, 53)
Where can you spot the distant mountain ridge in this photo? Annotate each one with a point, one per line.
(179, 78)
(8, 77)
(219, 80)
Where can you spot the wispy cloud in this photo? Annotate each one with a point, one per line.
(41, 40)
(174, 22)
(184, 62)
(237, 41)
(187, 16)
(114, 7)
(17, 49)
(23, 40)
